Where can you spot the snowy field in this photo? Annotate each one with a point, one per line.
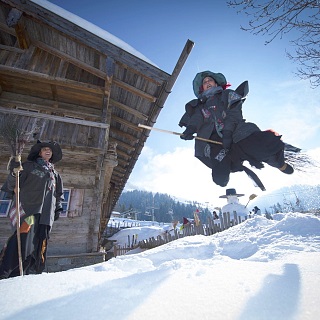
(260, 269)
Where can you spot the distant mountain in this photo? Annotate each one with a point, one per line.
(301, 198)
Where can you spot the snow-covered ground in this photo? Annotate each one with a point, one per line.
(260, 269)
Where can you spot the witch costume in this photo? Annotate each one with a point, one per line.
(216, 115)
(41, 196)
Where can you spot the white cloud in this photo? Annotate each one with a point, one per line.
(291, 108)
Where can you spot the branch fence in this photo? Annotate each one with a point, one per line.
(225, 221)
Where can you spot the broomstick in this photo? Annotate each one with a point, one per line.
(15, 138)
(252, 196)
(177, 133)
(293, 155)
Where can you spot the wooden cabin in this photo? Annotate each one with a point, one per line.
(77, 88)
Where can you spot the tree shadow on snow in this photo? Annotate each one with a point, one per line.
(278, 297)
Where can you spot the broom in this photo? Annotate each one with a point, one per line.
(293, 155)
(16, 138)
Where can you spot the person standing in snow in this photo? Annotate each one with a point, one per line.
(234, 205)
(214, 215)
(41, 196)
(216, 115)
(256, 210)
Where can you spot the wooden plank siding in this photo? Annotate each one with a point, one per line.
(88, 95)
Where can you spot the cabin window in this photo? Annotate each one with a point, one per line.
(4, 204)
(73, 202)
(65, 203)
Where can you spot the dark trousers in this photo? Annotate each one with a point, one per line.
(33, 251)
(258, 148)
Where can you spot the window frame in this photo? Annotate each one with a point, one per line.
(65, 204)
(6, 202)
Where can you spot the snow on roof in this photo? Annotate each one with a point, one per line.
(91, 28)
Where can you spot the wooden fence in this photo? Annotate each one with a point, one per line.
(113, 228)
(213, 226)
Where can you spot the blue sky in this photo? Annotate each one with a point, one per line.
(278, 99)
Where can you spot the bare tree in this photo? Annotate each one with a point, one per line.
(275, 18)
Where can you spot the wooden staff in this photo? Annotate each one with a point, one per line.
(177, 133)
(17, 191)
(15, 136)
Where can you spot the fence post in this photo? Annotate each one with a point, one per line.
(235, 219)
(226, 220)
(114, 250)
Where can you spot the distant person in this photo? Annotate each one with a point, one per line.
(256, 211)
(214, 215)
(216, 115)
(233, 204)
(41, 196)
(186, 222)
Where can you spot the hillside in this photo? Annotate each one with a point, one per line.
(143, 205)
(297, 198)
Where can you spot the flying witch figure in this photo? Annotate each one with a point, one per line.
(216, 115)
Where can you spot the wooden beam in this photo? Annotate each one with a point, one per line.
(73, 84)
(12, 101)
(67, 58)
(120, 169)
(13, 49)
(117, 174)
(134, 90)
(125, 123)
(123, 155)
(125, 135)
(122, 144)
(22, 36)
(128, 109)
(55, 118)
(35, 76)
(93, 70)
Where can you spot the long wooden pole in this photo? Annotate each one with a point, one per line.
(17, 171)
(177, 133)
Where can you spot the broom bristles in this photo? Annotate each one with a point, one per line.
(13, 134)
(300, 161)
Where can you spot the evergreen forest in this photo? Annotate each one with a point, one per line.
(143, 205)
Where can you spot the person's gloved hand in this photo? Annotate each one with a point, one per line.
(227, 139)
(57, 214)
(14, 165)
(188, 133)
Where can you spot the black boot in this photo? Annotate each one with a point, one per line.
(286, 168)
